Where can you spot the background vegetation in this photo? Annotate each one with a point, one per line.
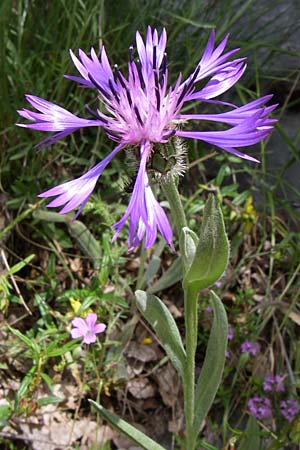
(52, 269)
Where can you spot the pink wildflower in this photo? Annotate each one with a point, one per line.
(87, 329)
(250, 347)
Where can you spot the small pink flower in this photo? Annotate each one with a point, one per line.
(87, 329)
(289, 409)
(230, 332)
(274, 383)
(250, 347)
(260, 407)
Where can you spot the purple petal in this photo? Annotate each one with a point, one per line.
(146, 215)
(91, 320)
(95, 72)
(89, 339)
(248, 132)
(236, 115)
(80, 324)
(53, 118)
(213, 62)
(99, 328)
(221, 82)
(76, 192)
(76, 333)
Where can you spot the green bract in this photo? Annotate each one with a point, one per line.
(212, 251)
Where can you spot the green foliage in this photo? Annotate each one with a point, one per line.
(131, 432)
(171, 276)
(260, 289)
(209, 255)
(212, 370)
(250, 438)
(161, 320)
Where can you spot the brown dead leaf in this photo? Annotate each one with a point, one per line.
(294, 315)
(176, 312)
(135, 368)
(261, 365)
(258, 298)
(143, 352)
(168, 384)
(75, 264)
(141, 388)
(60, 431)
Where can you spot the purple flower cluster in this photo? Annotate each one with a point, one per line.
(289, 409)
(250, 347)
(260, 407)
(142, 111)
(273, 383)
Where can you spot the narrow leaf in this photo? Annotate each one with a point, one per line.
(131, 432)
(250, 439)
(163, 323)
(212, 251)
(86, 241)
(26, 340)
(84, 238)
(171, 276)
(213, 366)
(26, 382)
(152, 269)
(17, 267)
(49, 400)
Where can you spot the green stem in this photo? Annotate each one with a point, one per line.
(191, 327)
(191, 320)
(169, 187)
(141, 271)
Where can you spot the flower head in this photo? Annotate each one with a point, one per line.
(273, 383)
(87, 329)
(250, 347)
(260, 407)
(143, 113)
(289, 409)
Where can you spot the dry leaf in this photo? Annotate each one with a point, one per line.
(168, 384)
(141, 388)
(142, 352)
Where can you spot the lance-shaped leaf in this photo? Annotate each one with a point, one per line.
(171, 276)
(212, 251)
(188, 246)
(131, 432)
(251, 439)
(213, 366)
(163, 323)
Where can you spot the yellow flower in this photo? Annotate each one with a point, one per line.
(249, 215)
(76, 305)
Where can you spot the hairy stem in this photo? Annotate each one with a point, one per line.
(170, 190)
(191, 320)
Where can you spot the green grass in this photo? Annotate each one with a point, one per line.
(77, 262)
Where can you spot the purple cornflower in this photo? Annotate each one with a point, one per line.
(289, 409)
(260, 407)
(273, 383)
(142, 111)
(250, 347)
(87, 329)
